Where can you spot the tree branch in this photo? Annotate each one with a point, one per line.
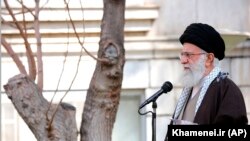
(32, 106)
(39, 47)
(29, 53)
(79, 41)
(14, 56)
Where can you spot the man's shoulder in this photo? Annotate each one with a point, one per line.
(223, 81)
(224, 78)
(226, 86)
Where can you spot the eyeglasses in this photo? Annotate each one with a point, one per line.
(188, 55)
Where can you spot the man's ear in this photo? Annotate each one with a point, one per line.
(210, 59)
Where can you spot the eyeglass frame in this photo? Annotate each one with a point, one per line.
(188, 55)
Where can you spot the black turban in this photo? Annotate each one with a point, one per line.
(205, 37)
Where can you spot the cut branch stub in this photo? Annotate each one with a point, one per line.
(32, 107)
(111, 52)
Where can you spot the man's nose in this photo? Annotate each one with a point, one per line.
(183, 59)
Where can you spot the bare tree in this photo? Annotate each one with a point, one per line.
(54, 122)
(104, 91)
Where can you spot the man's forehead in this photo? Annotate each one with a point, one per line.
(187, 47)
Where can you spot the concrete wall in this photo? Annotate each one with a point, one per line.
(151, 60)
(224, 15)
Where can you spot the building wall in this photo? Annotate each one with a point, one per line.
(225, 15)
(151, 60)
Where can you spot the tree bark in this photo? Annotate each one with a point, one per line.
(32, 107)
(103, 95)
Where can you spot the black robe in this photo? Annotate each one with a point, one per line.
(223, 104)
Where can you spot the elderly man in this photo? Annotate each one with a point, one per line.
(209, 96)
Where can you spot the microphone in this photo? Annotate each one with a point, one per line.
(166, 87)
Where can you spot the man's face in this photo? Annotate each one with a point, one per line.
(193, 60)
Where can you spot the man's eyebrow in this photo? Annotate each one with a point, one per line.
(186, 52)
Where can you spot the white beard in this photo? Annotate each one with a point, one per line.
(193, 76)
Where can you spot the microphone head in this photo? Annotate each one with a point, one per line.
(167, 86)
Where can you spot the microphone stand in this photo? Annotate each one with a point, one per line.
(166, 87)
(154, 106)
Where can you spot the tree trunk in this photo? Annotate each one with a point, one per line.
(103, 95)
(32, 107)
